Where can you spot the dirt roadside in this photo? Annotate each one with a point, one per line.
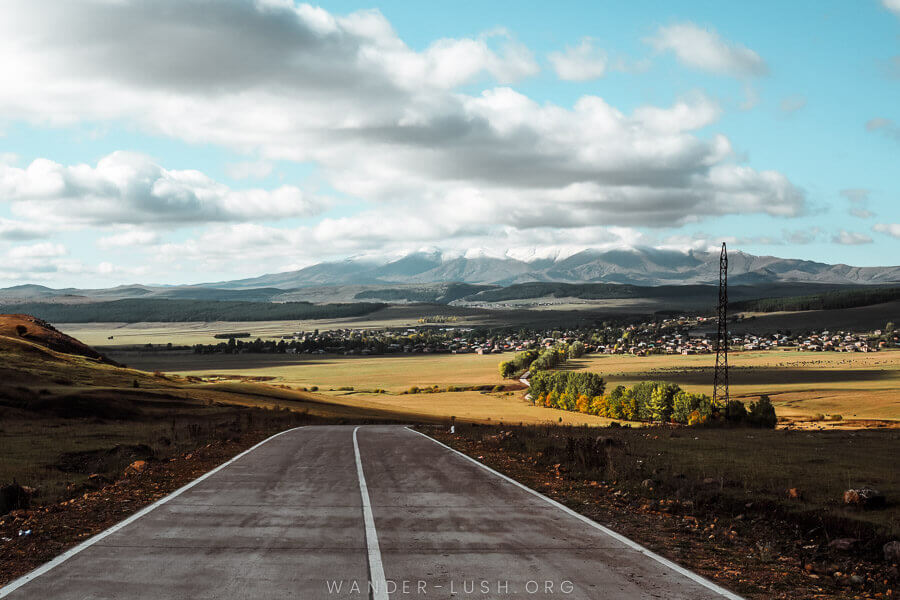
(759, 556)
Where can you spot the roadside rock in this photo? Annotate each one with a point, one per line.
(843, 544)
(14, 497)
(137, 466)
(864, 498)
(892, 552)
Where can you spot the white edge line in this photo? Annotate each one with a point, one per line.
(650, 554)
(17, 583)
(376, 568)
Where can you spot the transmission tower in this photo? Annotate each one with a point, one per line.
(720, 381)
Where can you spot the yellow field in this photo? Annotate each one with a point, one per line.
(859, 386)
(856, 386)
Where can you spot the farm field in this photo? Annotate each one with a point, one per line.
(801, 384)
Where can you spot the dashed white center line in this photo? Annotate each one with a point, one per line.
(378, 584)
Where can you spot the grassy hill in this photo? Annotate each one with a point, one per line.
(70, 417)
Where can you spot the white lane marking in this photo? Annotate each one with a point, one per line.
(376, 569)
(16, 584)
(634, 545)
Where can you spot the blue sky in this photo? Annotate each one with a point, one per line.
(178, 142)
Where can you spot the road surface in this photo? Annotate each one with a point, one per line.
(378, 512)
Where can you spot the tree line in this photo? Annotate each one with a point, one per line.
(648, 401)
(164, 311)
(825, 301)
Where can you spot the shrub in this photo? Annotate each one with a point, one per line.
(762, 413)
(735, 412)
(687, 407)
(576, 350)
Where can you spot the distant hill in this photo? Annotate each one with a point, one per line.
(435, 277)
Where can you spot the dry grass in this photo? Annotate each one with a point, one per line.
(801, 384)
(741, 466)
(856, 386)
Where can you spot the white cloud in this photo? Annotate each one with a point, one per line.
(851, 238)
(42, 250)
(891, 229)
(892, 5)
(705, 49)
(12, 230)
(580, 63)
(135, 237)
(126, 188)
(383, 123)
(257, 169)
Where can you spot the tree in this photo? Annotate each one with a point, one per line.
(691, 409)
(735, 412)
(661, 400)
(576, 350)
(762, 413)
(642, 393)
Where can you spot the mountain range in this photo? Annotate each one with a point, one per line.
(437, 277)
(638, 266)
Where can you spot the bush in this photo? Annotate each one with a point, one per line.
(520, 363)
(762, 413)
(576, 350)
(735, 412)
(497, 388)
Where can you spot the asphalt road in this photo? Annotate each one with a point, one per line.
(382, 512)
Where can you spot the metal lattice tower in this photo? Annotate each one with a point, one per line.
(720, 380)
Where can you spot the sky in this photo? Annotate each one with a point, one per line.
(184, 141)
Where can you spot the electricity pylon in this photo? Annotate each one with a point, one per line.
(720, 380)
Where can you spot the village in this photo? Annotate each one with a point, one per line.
(683, 335)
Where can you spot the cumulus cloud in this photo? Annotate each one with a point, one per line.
(42, 250)
(706, 50)
(12, 230)
(131, 238)
(580, 63)
(384, 124)
(851, 238)
(131, 188)
(891, 229)
(257, 169)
